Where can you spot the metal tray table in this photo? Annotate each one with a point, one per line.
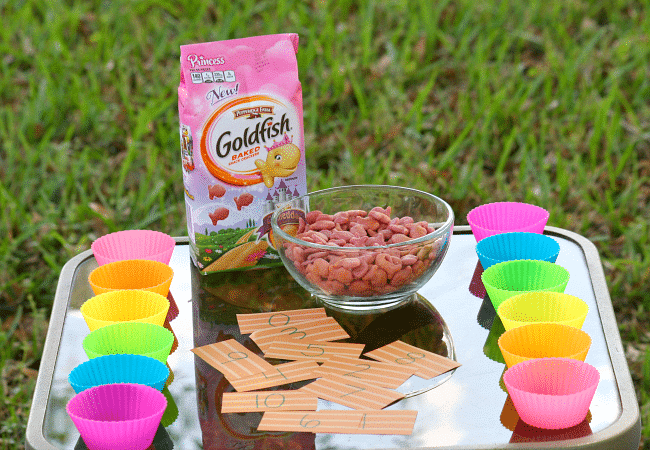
(466, 409)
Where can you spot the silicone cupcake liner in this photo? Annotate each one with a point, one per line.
(516, 245)
(133, 244)
(117, 416)
(142, 274)
(111, 369)
(500, 217)
(505, 279)
(135, 338)
(491, 348)
(533, 307)
(552, 393)
(127, 305)
(543, 340)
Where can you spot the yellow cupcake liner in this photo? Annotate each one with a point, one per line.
(543, 340)
(544, 306)
(141, 274)
(127, 305)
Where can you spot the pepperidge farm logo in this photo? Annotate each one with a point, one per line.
(202, 61)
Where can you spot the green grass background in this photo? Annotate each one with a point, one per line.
(546, 102)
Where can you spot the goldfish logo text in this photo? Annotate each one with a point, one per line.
(264, 130)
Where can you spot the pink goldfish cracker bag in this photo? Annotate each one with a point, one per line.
(242, 146)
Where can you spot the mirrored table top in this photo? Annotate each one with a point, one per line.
(466, 408)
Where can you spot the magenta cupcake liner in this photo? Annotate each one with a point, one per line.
(133, 244)
(552, 393)
(500, 217)
(117, 416)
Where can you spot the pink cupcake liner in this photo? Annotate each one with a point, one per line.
(117, 416)
(552, 393)
(500, 217)
(133, 244)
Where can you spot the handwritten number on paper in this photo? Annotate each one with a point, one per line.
(312, 347)
(235, 356)
(310, 423)
(287, 320)
(295, 331)
(272, 376)
(357, 389)
(410, 358)
(363, 367)
(266, 401)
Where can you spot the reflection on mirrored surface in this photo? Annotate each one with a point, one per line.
(476, 287)
(217, 299)
(522, 432)
(171, 412)
(466, 411)
(491, 347)
(486, 313)
(509, 415)
(528, 433)
(161, 441)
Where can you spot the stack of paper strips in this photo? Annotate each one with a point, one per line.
(343, 374)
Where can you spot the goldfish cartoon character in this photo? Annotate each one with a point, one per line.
(281, 161)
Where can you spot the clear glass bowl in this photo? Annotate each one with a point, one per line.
(363, 277)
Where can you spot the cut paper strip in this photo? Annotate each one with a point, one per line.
(346, 422)
(268, 401)
(232, 359)
(312, 350)
(325, 329)
(378, 373)
(249, 323)
(427, 364)
(277, 376)
(353, 393)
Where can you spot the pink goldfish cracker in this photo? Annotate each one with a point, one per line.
(216, 191)
(367, 271)
(219, 214)
(243, 200)
(242, 140)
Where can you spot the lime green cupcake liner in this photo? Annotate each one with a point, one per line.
(509, 278)
(135, 338)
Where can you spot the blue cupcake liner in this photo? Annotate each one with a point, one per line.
(516, 245)
(122, 368)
